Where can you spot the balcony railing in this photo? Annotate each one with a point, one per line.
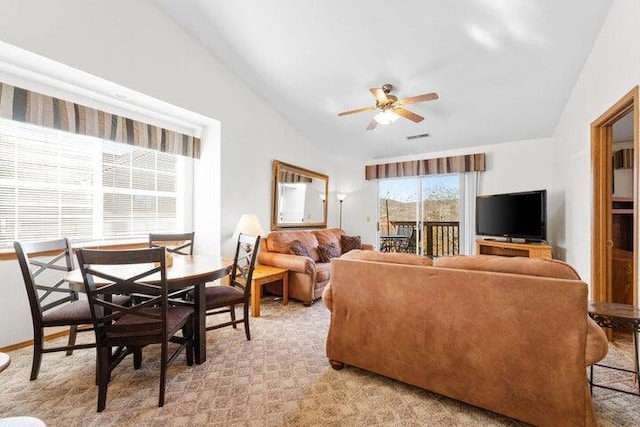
(439, 238)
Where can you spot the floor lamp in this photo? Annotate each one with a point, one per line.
(341, 197)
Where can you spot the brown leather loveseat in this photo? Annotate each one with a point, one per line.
(510, 335)
(308, 275)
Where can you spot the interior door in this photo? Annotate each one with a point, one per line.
(622, 212)
(606, 245)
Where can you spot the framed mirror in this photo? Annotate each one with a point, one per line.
(299, 197)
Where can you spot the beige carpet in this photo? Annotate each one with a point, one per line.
(280, 377)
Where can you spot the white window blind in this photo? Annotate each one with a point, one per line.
(55, 184)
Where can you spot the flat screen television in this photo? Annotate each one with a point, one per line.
(513, 215)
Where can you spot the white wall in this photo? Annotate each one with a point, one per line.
(513, 166)
(611, 70)
(135, 44)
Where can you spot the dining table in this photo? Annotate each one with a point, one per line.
(185, 271)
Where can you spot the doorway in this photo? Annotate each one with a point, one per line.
(614, 158)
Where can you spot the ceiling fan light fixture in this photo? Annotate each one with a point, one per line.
(386, 117)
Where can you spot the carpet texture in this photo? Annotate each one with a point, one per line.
(279, 378)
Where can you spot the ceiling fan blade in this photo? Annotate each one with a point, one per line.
(380, 95)
(418, 98)
(372, 124)
(408, 115)
(359, 110)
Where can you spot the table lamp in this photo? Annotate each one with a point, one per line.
(250, 225)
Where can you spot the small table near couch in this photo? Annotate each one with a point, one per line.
(266, 274)
(622, 317)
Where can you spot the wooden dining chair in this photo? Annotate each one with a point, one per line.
(223, 298)
(176, 243)
(151, 320)
(51, 301)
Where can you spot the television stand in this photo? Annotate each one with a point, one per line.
(502, 248)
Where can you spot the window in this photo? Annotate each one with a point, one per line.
(55, 184)
(429, 215)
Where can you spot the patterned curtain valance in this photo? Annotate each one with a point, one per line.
(31, 107)
(292, 177)
(442, 165)
(623, 159)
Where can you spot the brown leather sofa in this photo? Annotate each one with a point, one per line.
(510, 335)
(307, 275)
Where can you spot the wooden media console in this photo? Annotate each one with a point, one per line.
(502, 248)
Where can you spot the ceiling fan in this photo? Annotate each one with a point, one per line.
(390, 108)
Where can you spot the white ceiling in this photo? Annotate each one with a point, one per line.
(503, 69)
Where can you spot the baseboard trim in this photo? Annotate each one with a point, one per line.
(29, 343)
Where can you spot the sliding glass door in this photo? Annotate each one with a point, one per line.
(420, 215)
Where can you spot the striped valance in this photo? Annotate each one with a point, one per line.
(623, 159)
(31, 107)
(441, 165)
(292, 177)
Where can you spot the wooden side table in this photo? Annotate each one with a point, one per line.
(266, 274)
(622, 317)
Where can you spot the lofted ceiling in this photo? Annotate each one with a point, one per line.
(503, 69)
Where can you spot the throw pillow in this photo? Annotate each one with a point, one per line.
(296, 247)
(326, 252)
(350, 243)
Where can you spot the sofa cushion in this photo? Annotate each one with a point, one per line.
(350, 243)
(515, 265)
(391, 257)
(298, 248)
(278, 241)
(326, 252)
(328, 236)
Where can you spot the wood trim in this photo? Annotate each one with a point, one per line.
(4, 256)
(28, 343)
(602, 170)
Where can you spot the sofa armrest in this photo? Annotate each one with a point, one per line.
(597, 343)
(327, 297)
(296, 263)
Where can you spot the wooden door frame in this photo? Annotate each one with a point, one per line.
(601, 140)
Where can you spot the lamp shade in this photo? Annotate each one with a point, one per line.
(341, 196)
(250, 225)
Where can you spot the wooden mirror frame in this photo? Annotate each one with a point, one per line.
(280, 167)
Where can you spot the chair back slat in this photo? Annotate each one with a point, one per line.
(146, 317)
(49, 290)
(224, 299)
(50, 265)
(176, 243)
(44, 284)
(244, 262)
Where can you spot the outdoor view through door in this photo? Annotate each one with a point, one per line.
(420, 214)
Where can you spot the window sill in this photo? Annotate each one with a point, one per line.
(9, 254)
